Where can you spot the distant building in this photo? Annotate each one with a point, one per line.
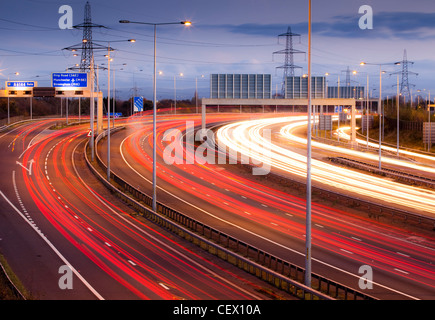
(259, 86)
(240, 86)
(297, 88)
(346, 92)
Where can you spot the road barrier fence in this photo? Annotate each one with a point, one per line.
(283, 274)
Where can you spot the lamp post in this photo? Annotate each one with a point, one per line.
(338, 96)
(397, 106)
(367, 106)
(379, 104)
(175, 93)
(109, 59)
(9, 117)
(186, 23)
(428, 109)
(308, 205)
(196, 92)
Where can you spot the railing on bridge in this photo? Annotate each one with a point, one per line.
(283, 274)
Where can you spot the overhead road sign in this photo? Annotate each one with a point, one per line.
(70, 80)
(44, 92)
(116, 114)
(20, 85)
(138, 104)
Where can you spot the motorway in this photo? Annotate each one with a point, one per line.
(55, 213)
(271, 217)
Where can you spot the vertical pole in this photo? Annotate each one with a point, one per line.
(108, 114)
(308, 206)
(367, 113)
(113, 100)
(429, 140)
(9, 115)
(380, 116)
(31, 108)
(397, 104)
(196, 94)
(154, 126)
(175, 95)
(338, 92)
(92, 115)
(80, 108)
(66, 110)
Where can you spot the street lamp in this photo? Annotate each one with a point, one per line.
(175, 92)
(367, 106)
(379, 103)
(308, 205)
(338, 96)
(186, 23)
(196, 92)
(9, 117)
(109, 59)
(428, 108)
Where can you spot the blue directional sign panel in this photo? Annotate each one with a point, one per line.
(69, 80)
(138, 104)
(20, 84)
(338, 109)
(116, 114)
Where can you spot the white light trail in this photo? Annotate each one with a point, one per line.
(245, 137)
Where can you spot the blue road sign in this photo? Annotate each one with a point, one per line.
(138, 104)
(20, 84)
(69, 80)
(116, 114)
(338, 109)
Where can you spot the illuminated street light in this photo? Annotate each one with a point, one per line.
(109, 59)
(380, 103)
(186, 23)
(175, 92)
(308, 205)
(9, 116)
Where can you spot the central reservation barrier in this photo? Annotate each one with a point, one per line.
(282, 274)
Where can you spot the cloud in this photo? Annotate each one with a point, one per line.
(400, 25)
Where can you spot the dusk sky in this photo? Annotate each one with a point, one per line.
(227, 36)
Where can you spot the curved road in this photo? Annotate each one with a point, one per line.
(55, 214)
(272, 219)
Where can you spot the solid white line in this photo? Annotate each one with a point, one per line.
(250, 232)
(53, 248)
(163, 285)
(403, 254)
(346, 251)
(401, 271)
(169, 247)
